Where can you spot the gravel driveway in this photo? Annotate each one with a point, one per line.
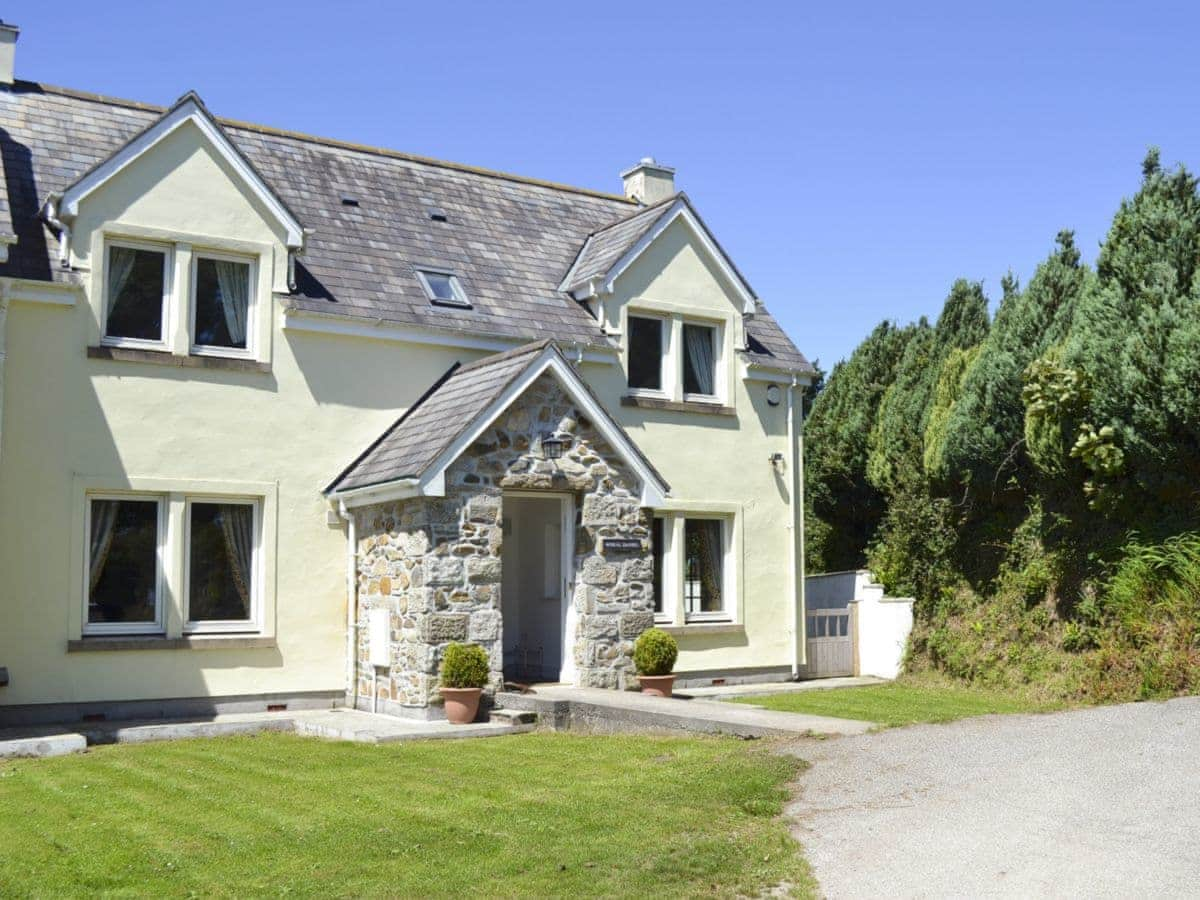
(1095, 802)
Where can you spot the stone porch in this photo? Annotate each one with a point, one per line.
(435, 562)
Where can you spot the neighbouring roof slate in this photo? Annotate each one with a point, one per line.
(510, 240)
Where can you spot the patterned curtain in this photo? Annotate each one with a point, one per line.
(713, 557)
(120, 267)
(237, 527)
(233, 281)
(104, 523)
(700, 357)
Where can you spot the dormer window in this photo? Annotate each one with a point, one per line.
(137, 289)
(222, 288)
(443, 288)
(671, 357)
(181, 299)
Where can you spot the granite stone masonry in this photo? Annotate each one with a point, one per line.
(436, 564)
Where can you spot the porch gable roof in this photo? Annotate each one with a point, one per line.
(411, 457)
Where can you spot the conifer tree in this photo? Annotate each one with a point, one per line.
(982, 444)
(844, 507)
(897, 453)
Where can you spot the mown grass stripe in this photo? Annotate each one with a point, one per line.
(532, 815)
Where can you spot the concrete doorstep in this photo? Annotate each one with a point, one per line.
(766, 688)
(331, 724)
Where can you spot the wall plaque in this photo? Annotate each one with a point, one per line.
(622, 545)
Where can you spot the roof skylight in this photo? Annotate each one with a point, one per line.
(443, 288)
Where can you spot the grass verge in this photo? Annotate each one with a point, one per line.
(532, 815)
(901, 703)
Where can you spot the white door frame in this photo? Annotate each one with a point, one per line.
(567, 619)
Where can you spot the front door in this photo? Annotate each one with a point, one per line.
(535, 593)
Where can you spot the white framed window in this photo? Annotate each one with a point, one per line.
(647, 354)
(695, 563)
(223, 308)
(443, 288)
(123, 563)
(222, 584)
(663, 610)
(170, 563)
(163, 293)
(673, 356)
(211, 545)
(705, 583)
(137, 294)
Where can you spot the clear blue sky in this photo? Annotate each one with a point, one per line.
(854, 158)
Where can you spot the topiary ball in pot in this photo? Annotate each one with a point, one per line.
(465, 672)
(654, 654)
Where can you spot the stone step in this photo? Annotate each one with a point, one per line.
(513, 716)
(42, 745)
(226, 725)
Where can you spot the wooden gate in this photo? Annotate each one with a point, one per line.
(830, 642)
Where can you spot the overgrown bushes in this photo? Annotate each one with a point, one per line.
(997, 470)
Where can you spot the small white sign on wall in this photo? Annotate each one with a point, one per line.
(379, 626)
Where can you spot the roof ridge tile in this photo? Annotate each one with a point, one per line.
(329, 141)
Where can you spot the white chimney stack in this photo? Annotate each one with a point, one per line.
(8, 51)
(648, 182)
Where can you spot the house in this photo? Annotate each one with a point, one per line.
(282, 416)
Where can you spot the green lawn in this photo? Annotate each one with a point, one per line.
(899, 703)
(538, 814)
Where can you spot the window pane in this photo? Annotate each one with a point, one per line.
(135, 293)
(221, 562)
(699, 366)
(645, 353)
(703, 565)
(440, 286)
(123, 561)
(656, 547)
(222, 303)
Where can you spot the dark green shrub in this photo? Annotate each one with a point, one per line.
(465, 666)
(655, 652)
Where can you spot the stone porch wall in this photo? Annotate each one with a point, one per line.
(435, 563)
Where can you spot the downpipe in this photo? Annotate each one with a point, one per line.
(351, 606)
(797, 569)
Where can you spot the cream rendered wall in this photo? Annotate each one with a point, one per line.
(67, 416)
(714, 461)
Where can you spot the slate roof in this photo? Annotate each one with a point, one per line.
(446, 411)
(510, 240)
(604, 247)
(7, 235)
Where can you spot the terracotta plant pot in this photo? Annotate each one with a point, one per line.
(461, 704)
(657, 685)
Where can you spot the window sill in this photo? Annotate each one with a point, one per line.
(152, 642)
(163, 358)
(695, 629)
(688, 406)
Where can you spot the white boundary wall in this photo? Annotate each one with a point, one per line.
(881, 624)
